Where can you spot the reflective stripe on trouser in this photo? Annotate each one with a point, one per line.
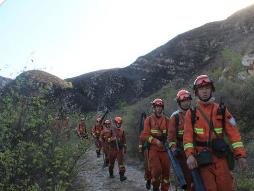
(159, 165)
(217, 176)
(114, 155)
(146, 166)
(186, 171)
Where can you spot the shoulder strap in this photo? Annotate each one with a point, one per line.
(167, 121)
(193, 121)
(222, 110)
(209, 121)
(193, 116)
(176, 123)
(150, 122)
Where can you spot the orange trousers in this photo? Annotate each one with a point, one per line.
(159, 165)
(186, 171)
(105, 147)
(114, 155)
(217, 176)
(98, 144)
(147, 165)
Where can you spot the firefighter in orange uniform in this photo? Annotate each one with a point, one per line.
(155, 133)
(143, 148)
(105, 135)
(176, 131)
(96, 132)
(117, 148)
(206, 126)
(81, 129)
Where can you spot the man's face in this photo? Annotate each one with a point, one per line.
(204, 92)
(158, 110)
(185, 105)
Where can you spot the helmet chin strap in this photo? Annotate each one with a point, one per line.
(158, 114)
(182, 108)
(205, 100)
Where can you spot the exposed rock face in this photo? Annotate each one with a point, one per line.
(36, 83)
(175, 62)
(4, 82)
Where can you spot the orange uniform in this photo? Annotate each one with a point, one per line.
(104, 138)
(175, 139)
(96, 132)
(81, 130)
(155, 128)
(116, 149)
(216, 176)
(143, 148)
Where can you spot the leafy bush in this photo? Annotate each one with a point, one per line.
(34, 153)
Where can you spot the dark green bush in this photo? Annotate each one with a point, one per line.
(34, 154)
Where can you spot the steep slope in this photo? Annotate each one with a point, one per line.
(35, 83)
(173, 63)
(4, 81)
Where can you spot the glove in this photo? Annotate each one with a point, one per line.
(174, 151)
(242, 163)
(192, 162)
(158, 143)
(140, 148)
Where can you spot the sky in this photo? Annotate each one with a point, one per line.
(68, 38)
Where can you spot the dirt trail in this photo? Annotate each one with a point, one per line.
(93, 177)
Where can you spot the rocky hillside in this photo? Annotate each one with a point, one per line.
(36, 83)
(174, 63)
(180, 59)
(4, 81)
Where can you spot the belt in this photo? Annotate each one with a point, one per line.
(203, 144)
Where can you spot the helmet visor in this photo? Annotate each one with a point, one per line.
(202, 81)
(184, 97)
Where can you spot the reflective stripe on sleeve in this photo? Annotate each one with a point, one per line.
(199, 130)
(155, 131)
(171, 143)
(237, 144)
(166, 181)
(188, 145)
(218, 130)
(150, 138)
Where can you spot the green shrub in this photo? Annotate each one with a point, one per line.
(34, 154)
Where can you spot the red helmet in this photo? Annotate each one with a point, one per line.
(158, 102)
(107, 122)
(201, 81)
(118, 120)
(183, 95)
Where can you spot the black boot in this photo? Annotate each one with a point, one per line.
(148, 184)
(106, 162)
(98, 154)
(156, 189)
(122, 177)
(111, 173)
